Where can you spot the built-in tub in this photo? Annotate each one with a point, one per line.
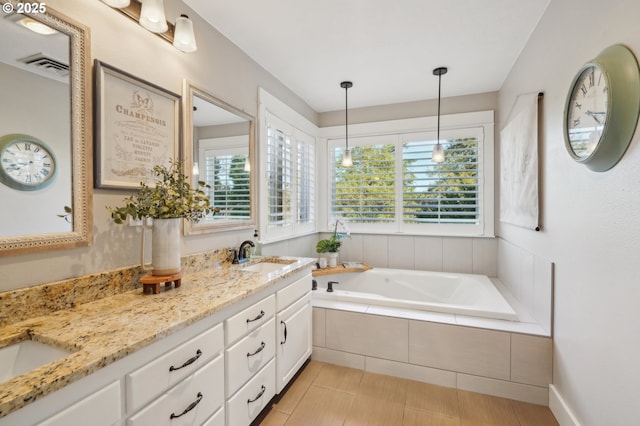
(462, 294)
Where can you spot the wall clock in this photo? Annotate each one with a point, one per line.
(601, 111)
(26, 163)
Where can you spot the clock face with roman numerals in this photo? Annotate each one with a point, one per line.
(26, 163)
(587, 110)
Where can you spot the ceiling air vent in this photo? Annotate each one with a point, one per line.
(47, 64)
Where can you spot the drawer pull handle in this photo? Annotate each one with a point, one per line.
(285, 332)
(260, 315)
(189, 408)
(262, 390)
(262, 345)
(188, 362)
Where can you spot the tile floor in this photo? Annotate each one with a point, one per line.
(328, 395)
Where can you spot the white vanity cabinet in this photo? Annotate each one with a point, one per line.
(293, 324)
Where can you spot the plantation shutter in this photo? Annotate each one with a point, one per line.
(224, 169)
(279, 179)
(442, 193)
(306, 171)
(364, 192)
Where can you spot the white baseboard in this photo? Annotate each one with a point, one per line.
(560, 409)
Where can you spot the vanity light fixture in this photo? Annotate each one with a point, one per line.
(347, 161)
(150, 15)
(36, 26)
(437, 155)
(247, 164)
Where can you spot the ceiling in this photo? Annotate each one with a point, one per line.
(387, 48)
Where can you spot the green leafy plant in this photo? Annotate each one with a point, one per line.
(171, 197)
(333, 243)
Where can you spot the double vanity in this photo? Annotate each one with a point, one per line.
(214, 351)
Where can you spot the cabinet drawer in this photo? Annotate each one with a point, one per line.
(293, 292)
(103, 408)
(190, 402)
(250, 319)
(217, 419)
(249, 355)
(148, 381)
(247, 403)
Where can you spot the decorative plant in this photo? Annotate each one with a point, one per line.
(333, 243)
(171, 197)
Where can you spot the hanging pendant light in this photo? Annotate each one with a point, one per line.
(438, 151)
(347, 161)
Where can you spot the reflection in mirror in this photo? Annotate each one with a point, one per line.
(218, 149)
(44, 62)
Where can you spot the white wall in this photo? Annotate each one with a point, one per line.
(590, 222)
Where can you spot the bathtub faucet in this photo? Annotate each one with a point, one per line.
(330, 286)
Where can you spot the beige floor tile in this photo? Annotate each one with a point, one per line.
(479, 410)
(339, 378)
(432, 398)
(299, 387)
(413, 417)
(384, 388)
(534, 415)
(322, 407)
(367, 411)
(275, 418)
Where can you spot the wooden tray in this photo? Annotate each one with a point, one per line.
(340, 269)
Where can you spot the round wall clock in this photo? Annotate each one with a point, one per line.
(26, 163)
(602, 107)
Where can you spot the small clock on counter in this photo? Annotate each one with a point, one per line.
(26, 163)
(602, 107)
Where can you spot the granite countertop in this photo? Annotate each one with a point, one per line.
(103, 331)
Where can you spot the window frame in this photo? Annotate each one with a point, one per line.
(480, 123)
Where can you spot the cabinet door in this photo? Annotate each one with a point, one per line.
(293, 340)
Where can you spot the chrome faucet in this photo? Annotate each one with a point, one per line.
(242, 251)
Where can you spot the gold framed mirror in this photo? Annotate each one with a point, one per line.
(219, 149)
(53, 106)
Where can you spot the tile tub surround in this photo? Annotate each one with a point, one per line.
(105, 330)
(499, 363)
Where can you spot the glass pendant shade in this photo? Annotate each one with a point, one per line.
(438, 153)
(184, 39)
(347, 161)
(196, 169)
(117, 3)
(152, 16)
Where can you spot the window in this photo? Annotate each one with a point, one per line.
(394, 187)
(290, 181)
(224, 169)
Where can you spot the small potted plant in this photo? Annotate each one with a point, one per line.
(331, 245)
(171, 198)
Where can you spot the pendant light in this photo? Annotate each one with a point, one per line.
(438, 151)
(346, 158)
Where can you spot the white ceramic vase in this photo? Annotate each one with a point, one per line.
(332, 260)
(165, 247)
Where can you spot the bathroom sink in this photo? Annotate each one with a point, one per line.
(266, 267)
(25, 356)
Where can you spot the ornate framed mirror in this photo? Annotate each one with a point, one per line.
(219, 149)
(47, 98)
